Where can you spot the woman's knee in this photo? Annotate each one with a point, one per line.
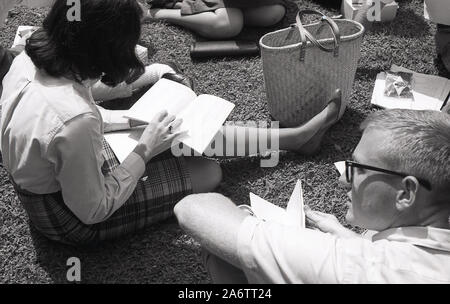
(228, 23)
(205, 174)
(277, 13)
(265, 16)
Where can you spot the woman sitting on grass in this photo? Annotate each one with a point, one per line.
(217, 19)
(66, 175)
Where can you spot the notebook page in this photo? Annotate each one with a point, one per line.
(295, 208)
(123, 142)
(202, 119)
(164, 95)
(266, 211)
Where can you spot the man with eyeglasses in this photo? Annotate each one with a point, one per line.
(400, 188)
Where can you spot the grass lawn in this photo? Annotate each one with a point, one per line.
(163, 253)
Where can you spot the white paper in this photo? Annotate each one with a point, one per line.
(293, 215)
(267, 211)
(429, 92)
(295, 208)
(22, 34)
(123, 142)
(203, 118)
(340, 166)
(164, 95)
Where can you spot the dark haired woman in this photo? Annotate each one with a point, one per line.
(66, 176)
(73, 189)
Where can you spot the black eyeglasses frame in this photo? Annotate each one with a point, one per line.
(349, 165)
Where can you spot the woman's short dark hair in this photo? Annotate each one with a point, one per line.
(102, 44)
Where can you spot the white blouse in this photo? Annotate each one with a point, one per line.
(51, 139)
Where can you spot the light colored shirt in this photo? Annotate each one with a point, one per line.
(273, 253)
(52, 135)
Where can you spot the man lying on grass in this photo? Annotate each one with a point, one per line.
(400, 187)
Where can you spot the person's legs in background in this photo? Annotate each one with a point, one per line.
(264, 16)
(205, 174)
(222, 23)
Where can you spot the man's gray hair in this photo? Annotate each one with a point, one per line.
(419, 143)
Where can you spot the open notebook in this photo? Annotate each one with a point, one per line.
(293, 215)
(202, 116)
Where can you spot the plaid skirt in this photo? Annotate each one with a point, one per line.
(165, 182)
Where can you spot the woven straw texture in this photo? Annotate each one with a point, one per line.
(298, 90)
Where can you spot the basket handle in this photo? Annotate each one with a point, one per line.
(306, 34)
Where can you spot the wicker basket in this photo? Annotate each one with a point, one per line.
(304, 65)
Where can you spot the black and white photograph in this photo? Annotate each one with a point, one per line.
(224, 147)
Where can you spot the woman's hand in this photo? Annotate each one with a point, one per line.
(327, 223)
(157, 136)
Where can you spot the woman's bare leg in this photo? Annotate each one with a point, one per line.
(205, 174)
(235, 141)
(264, 16)
(221, 24)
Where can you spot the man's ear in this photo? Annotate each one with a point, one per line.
(407, 195)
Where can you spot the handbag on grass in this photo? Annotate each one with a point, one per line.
(304, 64)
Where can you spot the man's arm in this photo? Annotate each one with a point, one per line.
(213, 220)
